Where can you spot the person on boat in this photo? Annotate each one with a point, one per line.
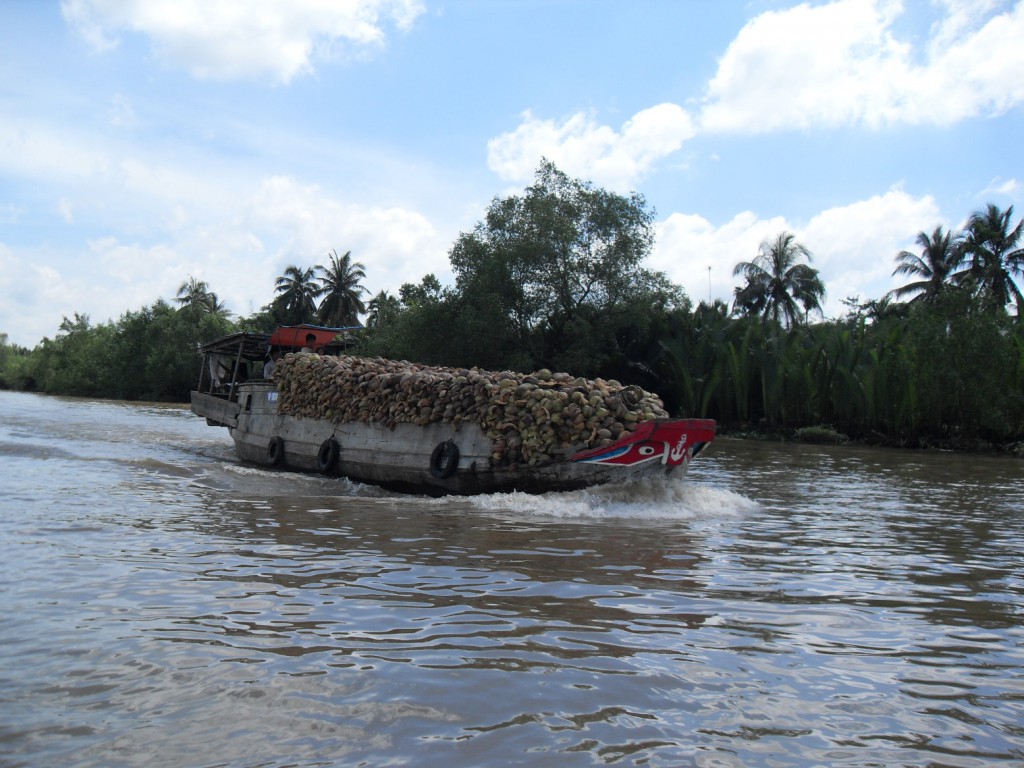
(310, 341)
(220, 372)
(269, 366)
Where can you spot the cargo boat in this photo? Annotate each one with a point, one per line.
(437, 458)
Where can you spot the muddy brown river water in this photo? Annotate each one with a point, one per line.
(165, 605)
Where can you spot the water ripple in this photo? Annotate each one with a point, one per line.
(787, 606)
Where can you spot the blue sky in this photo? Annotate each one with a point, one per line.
(146, 141)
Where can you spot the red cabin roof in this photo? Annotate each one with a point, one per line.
(315, 337)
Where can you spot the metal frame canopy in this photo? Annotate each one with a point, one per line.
(251, 346)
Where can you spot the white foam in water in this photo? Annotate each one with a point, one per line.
(651, 500)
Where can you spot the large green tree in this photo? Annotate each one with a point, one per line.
(777, 283)
(994, 255)
(555, 275)
(941, 254)
(419, 324)
(342, 301)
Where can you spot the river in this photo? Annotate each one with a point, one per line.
(166, 605)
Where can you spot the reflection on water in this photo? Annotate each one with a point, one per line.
(790, 605)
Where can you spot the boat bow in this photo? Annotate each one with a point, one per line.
(671, 442)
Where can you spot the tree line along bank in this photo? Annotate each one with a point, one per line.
(554, 278)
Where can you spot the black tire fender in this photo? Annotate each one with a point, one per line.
(275, 451)
(327, 457)
(444, 460)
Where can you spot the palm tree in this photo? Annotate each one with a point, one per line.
(297, 291)
(382, 308)
(342, 304)
(941, 253)
(197, 294)
(777, 283)
(993, 255)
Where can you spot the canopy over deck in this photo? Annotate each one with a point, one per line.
(255, 346)
(250, 346)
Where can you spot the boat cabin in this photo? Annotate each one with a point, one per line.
(232, 360)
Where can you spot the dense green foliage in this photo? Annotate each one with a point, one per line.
(947, 372)
(554, 278)
(146, 355)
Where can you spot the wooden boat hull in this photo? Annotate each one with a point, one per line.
(439, 458)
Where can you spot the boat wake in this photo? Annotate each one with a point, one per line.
(650, 500)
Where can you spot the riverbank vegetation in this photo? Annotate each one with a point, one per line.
(555, 278)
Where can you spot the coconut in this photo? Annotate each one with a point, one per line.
(532, 417)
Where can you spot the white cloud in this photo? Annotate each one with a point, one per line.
(35, 296)
(99, 178)
(239, 248)
(163, 217)
(37, 151)
(581, 147)
(304, 224)
(980, 73)
(842, 63)
(961, 17)
(226, 39)
(687, 244)
(103, 280)
(853, 246)
(133, 268)
(1003, 187)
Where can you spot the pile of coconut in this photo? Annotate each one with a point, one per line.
(531, 418)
